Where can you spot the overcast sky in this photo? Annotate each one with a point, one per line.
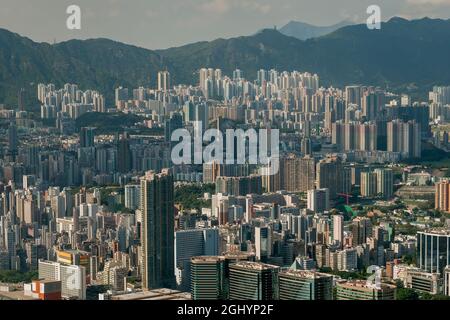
(158, 24)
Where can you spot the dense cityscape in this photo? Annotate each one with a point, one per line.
(93, 205)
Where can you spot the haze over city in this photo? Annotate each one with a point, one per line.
(159, 24)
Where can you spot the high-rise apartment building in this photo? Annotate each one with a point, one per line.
(442, 196)
(157, 232)
(368, 184)
(318, 200)
(404, 137)
(338, 229)
(385, 183)
(329, 175)
(297, 174)
(361, 229)
(164, 81)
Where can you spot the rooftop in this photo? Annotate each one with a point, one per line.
(305, 274)
(437, 231)
(362, 284)
(156, 294)
(207, 259)
(254, 266)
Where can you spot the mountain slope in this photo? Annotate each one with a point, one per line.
(305, 31)
(404, 54)
(98, 64)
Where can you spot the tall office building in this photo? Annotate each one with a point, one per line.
(164, 81)
(192, 243)
(253, 281)
(157, 233)
(318, 200)
(305, 285)
(209, 278)
(263, 243)
(385, 183)
(433, 250)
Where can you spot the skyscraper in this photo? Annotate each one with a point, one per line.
(318, 200)
(404, 137)
(192, 243)
(361, 229)
(124, 154)
(87, 136)
(297, 174)
(263, 243)
(157, 233)
(329, 175)
(368, 184)
(442, 197)
(338, 229)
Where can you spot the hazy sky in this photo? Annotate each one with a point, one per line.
(164, 23)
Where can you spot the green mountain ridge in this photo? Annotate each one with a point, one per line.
(405, 55)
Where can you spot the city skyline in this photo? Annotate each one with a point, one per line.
(258, 168)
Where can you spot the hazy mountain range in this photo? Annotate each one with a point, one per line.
(407, 55)
(305, 31)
